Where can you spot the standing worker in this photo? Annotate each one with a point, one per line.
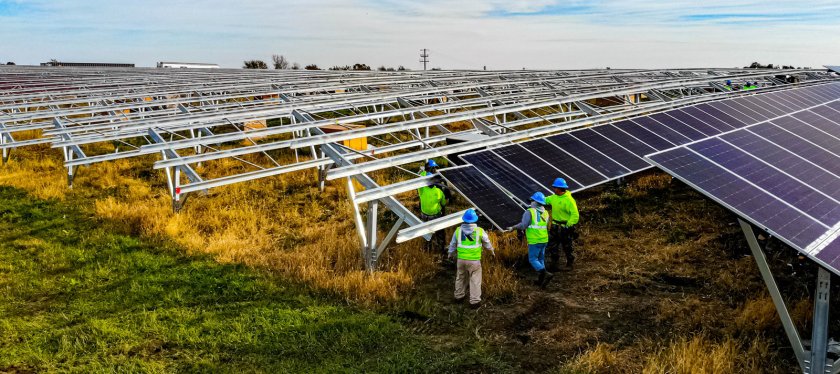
(433, 201)
(564, 219)
(535, 223)
(468, 241)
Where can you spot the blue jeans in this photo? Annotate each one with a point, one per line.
(536, 256)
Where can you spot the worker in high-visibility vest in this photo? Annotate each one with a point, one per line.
(535, 223)
(433, 200)
(467, 243)
(562, 231)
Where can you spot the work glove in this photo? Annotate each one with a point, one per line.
(509, 228)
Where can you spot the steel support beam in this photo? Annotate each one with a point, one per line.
(819, 333)
(778, 301)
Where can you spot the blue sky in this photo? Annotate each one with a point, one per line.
(459, 34)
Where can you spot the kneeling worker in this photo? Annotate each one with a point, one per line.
(535, 223)
(467, 242)
(564, 219)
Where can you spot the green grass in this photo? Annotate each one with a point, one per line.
(76, 297)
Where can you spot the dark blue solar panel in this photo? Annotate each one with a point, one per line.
(660, 129)
(831, 254)
(529, 163)
(738, 113)
(742, 197)
(827, 112)
(726, 118)
(787, 98)
(626, 140)
(751, 109)
(773, 108)
(700, 115)
(611, 149)
(783, 187)
(780, 107)
(496, 205)
(834, 105)
(647, 137)
(809, 133)
(795, 144)
(796, 166)
(704, 129)
(569, 166)
(802, 97)
(588, 155)
(818, 121)
(679, 127)
(817, 93)
(507, 176)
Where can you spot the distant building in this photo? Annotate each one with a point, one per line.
(87, 64)
(186, 65)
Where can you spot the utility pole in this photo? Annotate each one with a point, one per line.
(424, 57)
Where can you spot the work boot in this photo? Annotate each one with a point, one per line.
(540, 278)
(458, 300)
(547, 279)
(475, 306)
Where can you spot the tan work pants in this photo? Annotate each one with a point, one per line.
(468, 272)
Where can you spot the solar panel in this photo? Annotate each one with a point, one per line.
(572, 169)
(650, 139)
(510, 178)
(810, 201)
(678, 127)
(499, 208)
(725, 107)
(636, 146)
(701, 127)
(809, 133)
(835, 69)
(661, 130)
(529, 162)
(716, 113)
(706, 118)
(783, 175)
(740, 196)
(594, 159)
(788, 162)
(610, 149)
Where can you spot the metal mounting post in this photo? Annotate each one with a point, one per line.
(371, 228)
(778, 301)
(819, 334)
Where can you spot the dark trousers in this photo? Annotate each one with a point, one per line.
(558, 238)
(438, 242)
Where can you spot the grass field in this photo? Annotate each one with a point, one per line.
(77, 297)
(104, 277)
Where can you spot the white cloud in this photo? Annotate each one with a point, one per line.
(462, 34)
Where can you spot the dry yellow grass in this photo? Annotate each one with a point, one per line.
(283, 224)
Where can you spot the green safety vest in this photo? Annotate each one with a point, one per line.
(469, 249)
(432, 199)
(537, 231)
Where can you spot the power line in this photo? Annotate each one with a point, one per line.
(424, 57)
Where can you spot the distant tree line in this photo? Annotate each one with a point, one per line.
(756, 65)
(280, 62)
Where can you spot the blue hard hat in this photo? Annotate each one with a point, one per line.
(538, 197)
(431, 163)
(560, 183)
(728, 82)
(470, 216)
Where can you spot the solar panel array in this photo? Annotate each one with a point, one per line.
(782, 174)
(592, 156)
(835, 69)
(494, 204)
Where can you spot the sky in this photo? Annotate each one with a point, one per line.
(466, 34)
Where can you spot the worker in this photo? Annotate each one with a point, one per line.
(535, 223)
(433, 200)
(467, 242)
(564, 219)
(728, 86)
